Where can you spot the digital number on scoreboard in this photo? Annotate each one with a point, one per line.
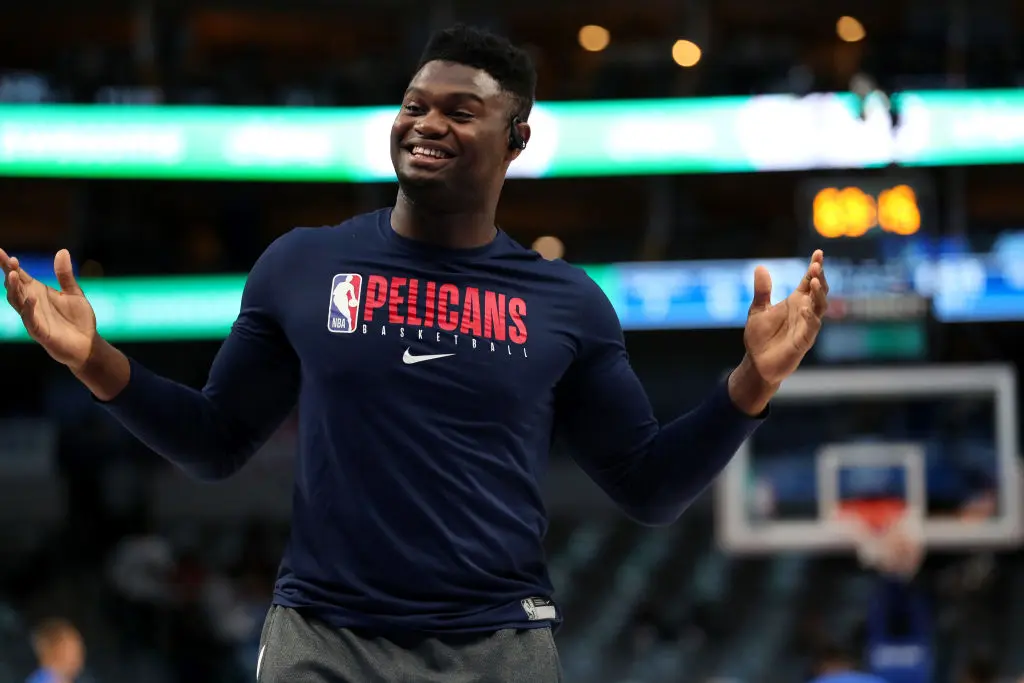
(848, 209)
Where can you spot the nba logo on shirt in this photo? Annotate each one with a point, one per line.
(343, 312)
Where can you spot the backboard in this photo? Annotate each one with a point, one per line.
(940, 440)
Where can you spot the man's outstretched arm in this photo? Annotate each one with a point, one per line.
(655, 471)
(252, 386)
(210, 433)
(652, 471)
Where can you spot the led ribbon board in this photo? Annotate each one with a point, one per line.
(570, 139)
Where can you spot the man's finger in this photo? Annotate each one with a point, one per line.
(31, 321)
(16, 291)
(814, 269)
(819, 300)
(810, 325)
(762, 289)
(811, 273)
(821, 275)
(65, 273)
(12, 269)
(5, 262)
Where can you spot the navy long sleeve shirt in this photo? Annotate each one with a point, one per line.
(429, 382)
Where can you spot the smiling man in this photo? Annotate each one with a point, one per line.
(428, 400)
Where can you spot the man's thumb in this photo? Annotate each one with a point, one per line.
(762, 289)
(64, 272)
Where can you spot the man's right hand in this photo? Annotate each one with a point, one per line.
(62, 321)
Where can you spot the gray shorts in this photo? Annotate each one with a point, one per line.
(298, 649)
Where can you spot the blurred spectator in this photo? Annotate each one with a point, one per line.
(198, 652)
(59, 650)
(236, 610)
(650, 627)
(140, 574)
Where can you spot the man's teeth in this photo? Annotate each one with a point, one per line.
(423, 151)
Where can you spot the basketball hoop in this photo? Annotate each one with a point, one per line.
(887, 539)
(874, 515)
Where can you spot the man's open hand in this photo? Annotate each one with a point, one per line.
(61, 321)
(777, 337)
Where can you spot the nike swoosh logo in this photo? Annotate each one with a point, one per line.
(410, 359)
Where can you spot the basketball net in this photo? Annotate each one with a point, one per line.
(887, 539)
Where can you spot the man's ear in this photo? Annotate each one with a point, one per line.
(524, 131)
(523, 128)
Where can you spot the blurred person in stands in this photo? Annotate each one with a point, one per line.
(835, 664)
(648, 627)
(140, 572)
(195, 651)
(429, 401)
(59, 650)
(899, 628)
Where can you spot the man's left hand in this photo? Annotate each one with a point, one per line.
(777, 337)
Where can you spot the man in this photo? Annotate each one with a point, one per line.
(899, 642)
(416, 546)
(59, 650)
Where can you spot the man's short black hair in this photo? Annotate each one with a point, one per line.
(509, 65)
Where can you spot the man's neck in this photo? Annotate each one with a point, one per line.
(454, 230)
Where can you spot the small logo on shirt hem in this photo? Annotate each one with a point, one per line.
(538, 609)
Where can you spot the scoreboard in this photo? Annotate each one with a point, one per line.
(853, 211)
(857, 218)
(850, 215)
(876, 327)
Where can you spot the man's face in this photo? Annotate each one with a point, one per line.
(69, 654)
(449, 142)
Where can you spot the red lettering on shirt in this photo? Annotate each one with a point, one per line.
(414, 289)
(394, 299)
(376, 295)
(447, 296)
(471, 311)
(516, 312)
(471, 323)
(431, 304)
(494, 316)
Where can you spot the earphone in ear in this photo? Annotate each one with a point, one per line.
(515, 138)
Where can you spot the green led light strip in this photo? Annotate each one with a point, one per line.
(180, 308)
(570, 139)
(152, 309)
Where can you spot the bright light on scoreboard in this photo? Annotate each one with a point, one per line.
(850, 214)
(898, 210)
(853, 211)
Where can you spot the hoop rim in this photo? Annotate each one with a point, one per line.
(877, 514)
